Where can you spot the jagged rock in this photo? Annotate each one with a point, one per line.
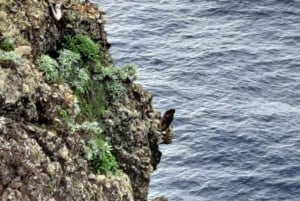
(160, 199)
(38, 157)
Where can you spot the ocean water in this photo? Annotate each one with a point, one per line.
(232, 71)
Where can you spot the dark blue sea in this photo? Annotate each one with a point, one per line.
(231, 68)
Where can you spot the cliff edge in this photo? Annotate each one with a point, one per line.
(72, 126)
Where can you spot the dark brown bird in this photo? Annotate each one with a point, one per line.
(167, 119)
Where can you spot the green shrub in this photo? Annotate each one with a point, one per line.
(63, 114)
(84, 45)
(112, 78)
(9, 59)
(113, 89)
(73, 72)
(12, 56)
(82, 82)
(49, 67)
(69, 69)
(98, 153)
(69, 64)
(7, 45)
(128, 72)
(91, 127)
(76, 106)
(124, 73)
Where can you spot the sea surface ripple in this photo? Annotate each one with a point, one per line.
(232, 71)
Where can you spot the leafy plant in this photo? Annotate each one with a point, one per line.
(9, 59)
(63, 113)
(98, 153)
(82, 81)
(114, 89)
(49, 67)
(69, 64)
(79, 66)
(91, 127)
(73, 72)
(84, 45)
(6, 45)
(12, 56)
(128, 72)
(112, 79)
(76, 106)
(68, 69)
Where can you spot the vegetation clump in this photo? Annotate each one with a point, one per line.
(49, 66)
(10, 56)
(9, 59)
(99, 155)
(97, 151)
(66, 70)
(94, 86)
(113, 78)
(83, 45)
(7, 45)
(73, 71)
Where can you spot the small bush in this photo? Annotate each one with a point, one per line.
(12, 56)
(7, 45)
(73, 72)
(98, 153)
(114, 89)
(49, 67)
(112, 78)
(9, 59)
(68, 69)
(83, 45)
(82, 82)
(124, 73)
(91, 127)
(69, 64)
(128, 72)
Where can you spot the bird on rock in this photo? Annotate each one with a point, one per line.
(167, 119)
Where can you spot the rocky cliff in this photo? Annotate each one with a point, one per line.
(43, 137)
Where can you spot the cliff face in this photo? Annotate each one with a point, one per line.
(39, 158)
